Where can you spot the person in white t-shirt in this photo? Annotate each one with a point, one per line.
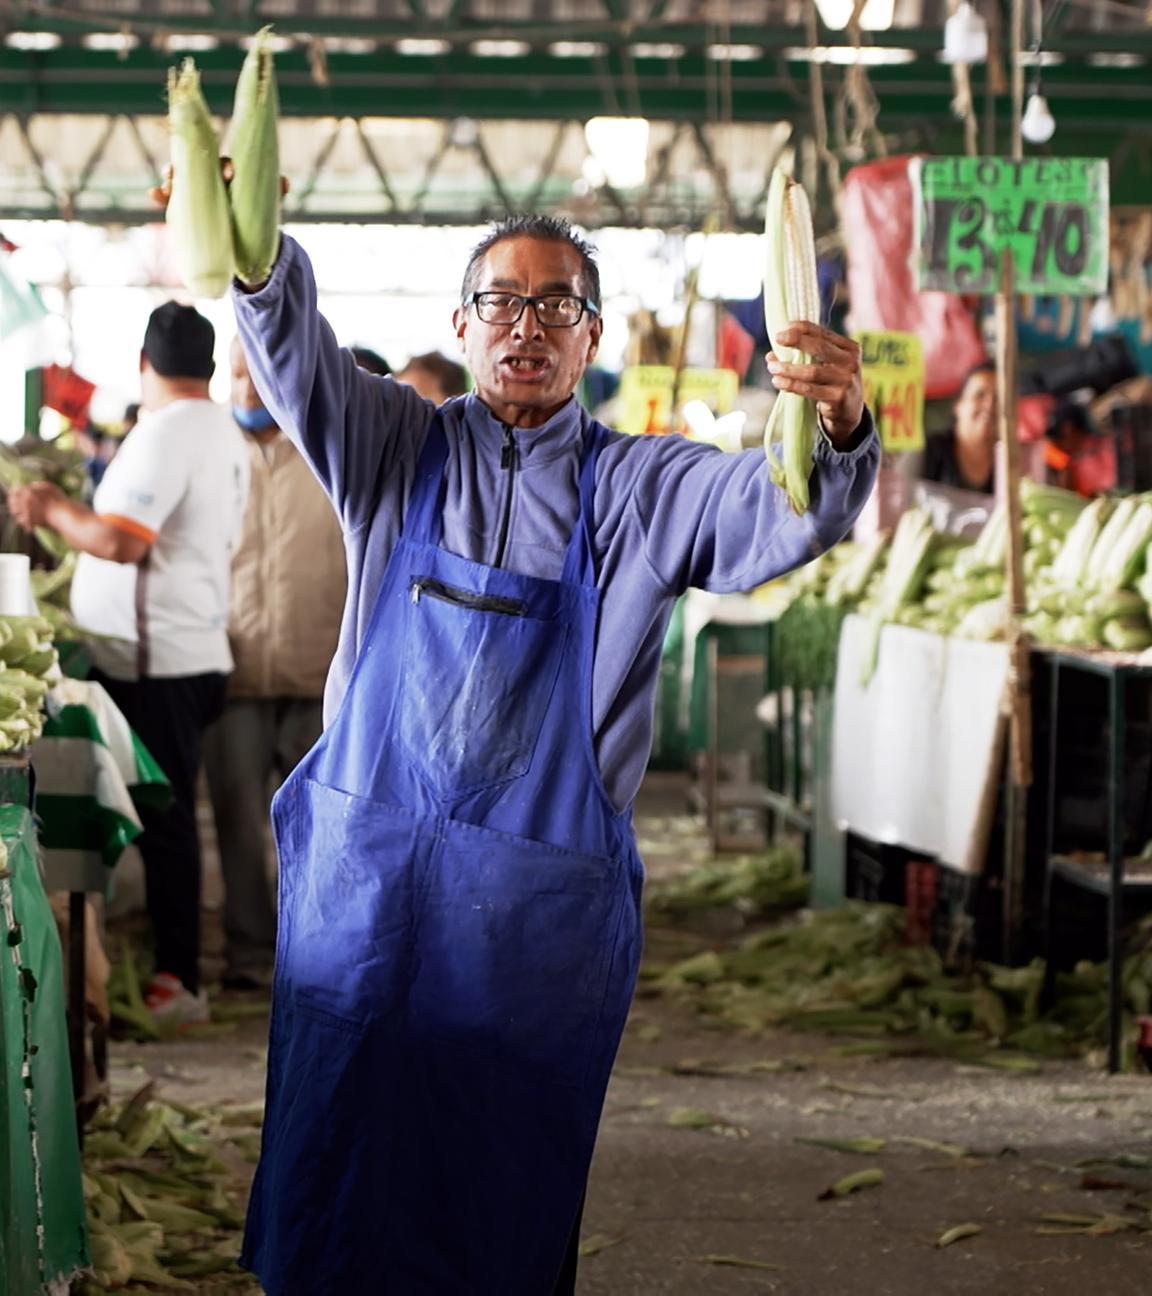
(153, 581)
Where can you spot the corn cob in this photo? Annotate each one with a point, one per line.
(254, 195)
(1127, 634)
(791, 294)
(1121, 562)
(197, 212)
(903, 581)
(1108, 539)
(1071, 562)
(1039, 500)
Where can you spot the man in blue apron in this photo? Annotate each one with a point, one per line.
(459, 884)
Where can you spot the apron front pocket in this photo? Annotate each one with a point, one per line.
(516, 942)
(350, 873)
(478, 672)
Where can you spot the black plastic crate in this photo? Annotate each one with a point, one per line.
(874, 871)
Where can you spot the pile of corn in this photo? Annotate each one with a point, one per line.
(752, 885)
(46, 462)
(219, 230)
(164, 1205)
(1098, 589)
(848, 971)
(27, 664)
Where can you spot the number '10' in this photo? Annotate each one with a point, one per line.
(1063, 232)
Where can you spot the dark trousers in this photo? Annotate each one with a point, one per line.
(170, 716)
(249, 751)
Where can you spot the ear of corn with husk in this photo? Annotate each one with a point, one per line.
(254, 194)
(791, 294)
(904, 579)
(197, 213)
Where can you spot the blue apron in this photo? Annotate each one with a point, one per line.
(459, 938)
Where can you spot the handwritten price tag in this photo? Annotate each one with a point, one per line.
(1052, 213)
(646, 395)
(893, 371)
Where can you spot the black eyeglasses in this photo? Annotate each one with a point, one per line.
(553, 310)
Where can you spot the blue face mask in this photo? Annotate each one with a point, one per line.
(253, 420)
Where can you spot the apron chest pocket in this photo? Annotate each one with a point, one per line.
(478, 673)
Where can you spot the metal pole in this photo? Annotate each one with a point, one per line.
(1020, 732)
(1116, 701)
(1017, 77)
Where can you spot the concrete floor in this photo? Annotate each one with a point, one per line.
(665, 1200)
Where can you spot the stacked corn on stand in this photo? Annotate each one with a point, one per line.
(1089, 585)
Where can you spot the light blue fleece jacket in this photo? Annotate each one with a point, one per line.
(670, 513)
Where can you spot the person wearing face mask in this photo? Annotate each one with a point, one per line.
(459, 878)
(288, 585)
(965, 455)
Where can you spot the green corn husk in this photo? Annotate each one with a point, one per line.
(197, 213)
(1108, 539)
(871, 1178)
(847, 584)
(791, 294)
(986, 621)
(254, 194)
(1121, 563)
(1071, 563)
(1127, 634)
(1120, 603)
(1038, 500)
(904, 578)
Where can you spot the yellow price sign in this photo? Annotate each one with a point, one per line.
(646, 395)
(893, 371)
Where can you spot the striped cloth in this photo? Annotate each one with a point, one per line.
(91, 773)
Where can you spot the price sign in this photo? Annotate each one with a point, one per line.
(646, 395)
(1051, 212)
(893, 371)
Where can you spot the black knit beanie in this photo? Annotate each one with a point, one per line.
(178, 342)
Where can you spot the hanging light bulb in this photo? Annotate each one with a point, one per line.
(1037, 125)
(965, 36)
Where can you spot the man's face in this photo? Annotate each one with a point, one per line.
(975, 410)
(244, 394)
(523, 372)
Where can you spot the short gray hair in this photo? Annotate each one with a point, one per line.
(551, 229)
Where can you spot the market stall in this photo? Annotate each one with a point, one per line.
(43, 1231)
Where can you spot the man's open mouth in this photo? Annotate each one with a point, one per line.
(525, 365)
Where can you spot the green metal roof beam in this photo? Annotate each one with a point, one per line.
(614, 32)
(386, 84)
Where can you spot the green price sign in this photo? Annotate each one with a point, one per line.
(1052, 213)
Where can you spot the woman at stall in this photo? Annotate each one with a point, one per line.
(965, 455)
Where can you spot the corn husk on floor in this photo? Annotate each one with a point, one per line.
(791, 294)
(254, 194)
(197, 213)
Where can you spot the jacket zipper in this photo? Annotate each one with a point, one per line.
(508, 459)
(465, 598)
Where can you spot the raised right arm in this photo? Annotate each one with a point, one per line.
(358, 431)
